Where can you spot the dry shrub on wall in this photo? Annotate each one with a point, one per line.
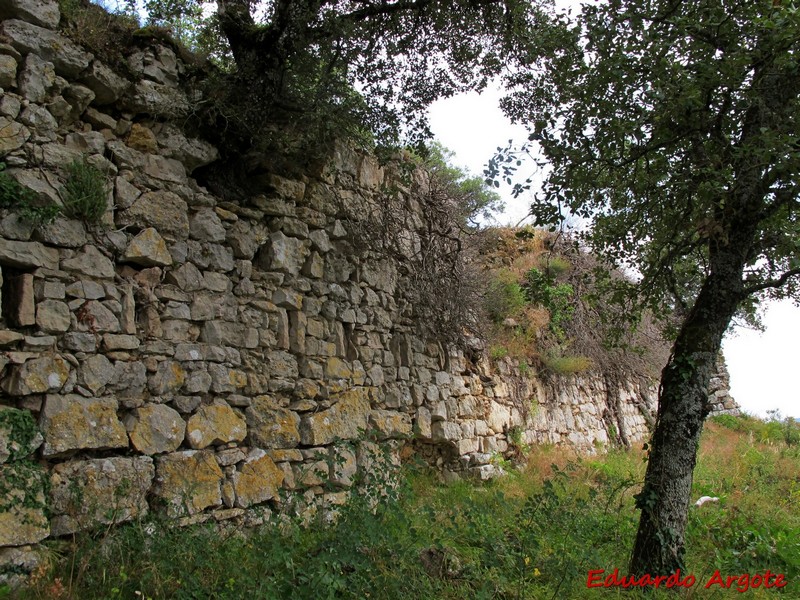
(93, 27)
(417, 224)
(599, 328)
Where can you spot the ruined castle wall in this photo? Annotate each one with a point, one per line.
(207, 359)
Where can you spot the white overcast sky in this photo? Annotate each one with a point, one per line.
(761, 364)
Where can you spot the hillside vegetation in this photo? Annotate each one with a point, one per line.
(551, 305)
(535, 534)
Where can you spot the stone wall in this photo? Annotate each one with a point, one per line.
(210, 359)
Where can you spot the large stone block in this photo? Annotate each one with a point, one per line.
(390, 424)
(226, 380)
(257, 479)
(223, 333)
(96, 372)
(345, 420)
(36, 78)
(445, 431)
(282, 365)
(156, 99)
(168, 378)
(499, 417)
(105, 83)
(95, 317)
(23, 502)
(187, 277)
(12, 135)
(20, 303)
(37, 376)
(215, 423)
(215, 257)
(164, 169)
(155, 428)
(90, 262)
(148, 249)
(8, 76)
(286, 254)
(27, 255)
(206, 226)
(188, 482)
(72, 422)
(193, 153)
(68, 233)
(67, 57)
(271, 426)
(88, 493)
(164, 211)
(344, 466)
(44, 13)
(53, 316)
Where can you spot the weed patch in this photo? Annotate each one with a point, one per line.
(19, 198)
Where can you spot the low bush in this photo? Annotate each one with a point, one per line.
(85, 193)
(505, 298)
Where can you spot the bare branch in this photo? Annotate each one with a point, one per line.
(772, 283)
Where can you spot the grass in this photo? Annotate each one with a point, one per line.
(85, 192)
(566, 365)
(534, 535)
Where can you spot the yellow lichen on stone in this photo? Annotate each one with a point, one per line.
(215, 423)
(258, 480)
(188, 482)
(343, 421)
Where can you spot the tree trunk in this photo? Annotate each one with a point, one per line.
(683, 407)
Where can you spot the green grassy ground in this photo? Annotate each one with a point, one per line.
(535, 535)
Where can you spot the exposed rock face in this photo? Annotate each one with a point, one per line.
(203, 357)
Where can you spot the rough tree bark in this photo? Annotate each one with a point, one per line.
(683, 407)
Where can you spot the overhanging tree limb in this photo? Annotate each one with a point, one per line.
(772, 283)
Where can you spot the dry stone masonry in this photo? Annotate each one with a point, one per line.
(210, 359)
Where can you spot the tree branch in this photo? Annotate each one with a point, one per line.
(375, 10)
(772, 283)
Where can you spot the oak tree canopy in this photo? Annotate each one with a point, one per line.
(671, 130)
(371, 66)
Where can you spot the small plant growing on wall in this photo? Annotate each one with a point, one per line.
(19, 198)
(85, 192)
